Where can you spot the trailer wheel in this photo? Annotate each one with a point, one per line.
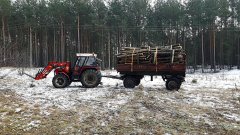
(172, 84)
(90, 78)
(137, 82)
(129, 82)
(60, 81)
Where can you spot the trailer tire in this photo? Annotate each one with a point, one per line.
(137, 81)
(60, 81)
(91, 78)
(173, 83)
(129, 82)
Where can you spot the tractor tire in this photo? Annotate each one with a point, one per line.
(173, 83)
(91, 78)
(60, 81)
(69, 83)
(129, 82)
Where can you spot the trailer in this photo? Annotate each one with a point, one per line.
(172, 74)
(135, 63)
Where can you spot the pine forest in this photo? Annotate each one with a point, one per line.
(34, 32)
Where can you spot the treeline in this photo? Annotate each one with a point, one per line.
(34, 32)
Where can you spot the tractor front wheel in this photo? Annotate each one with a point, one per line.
(60, 81)
(90, 78)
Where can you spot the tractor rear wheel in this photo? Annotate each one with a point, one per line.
(173, 83)
(60, 81)
(91, 78)
(129, 82)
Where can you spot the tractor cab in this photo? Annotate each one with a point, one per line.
(85, 61)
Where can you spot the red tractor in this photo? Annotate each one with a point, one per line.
(86, 70)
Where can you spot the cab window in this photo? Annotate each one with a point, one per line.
(91, 61)
(81, 61)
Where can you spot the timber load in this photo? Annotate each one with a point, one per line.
(172, 54)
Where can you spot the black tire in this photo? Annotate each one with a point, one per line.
(60, 81)
(69, 83)
(91, 78)
(137, 82)
(129, 82)
(173, 83)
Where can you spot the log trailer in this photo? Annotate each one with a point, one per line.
(166, 61)
(86, 70)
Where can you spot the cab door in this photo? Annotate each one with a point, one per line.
(78, 67)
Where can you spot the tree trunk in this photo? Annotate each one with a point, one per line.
(233, 50)
(109, 51)
(87, 41)
(54, 46)
(78, 29)
(46, 47)
(102, 49)
(4, 41)
(118, 41)
(214, 52)
(62, 43)
(177, 35)
(81, 40)
(238, 53)
(140, 38)
(184, 40)
(9, 41)
(194, 49)
(30, 48)
(36, 49)
(210, 38)
(221, 50)
(202, 53)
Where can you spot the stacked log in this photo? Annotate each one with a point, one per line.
(151, 55)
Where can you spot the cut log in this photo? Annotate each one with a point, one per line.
(151, 55)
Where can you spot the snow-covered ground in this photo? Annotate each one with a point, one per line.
(210, 101)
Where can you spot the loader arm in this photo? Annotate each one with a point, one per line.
(44, 72)
(65, 66)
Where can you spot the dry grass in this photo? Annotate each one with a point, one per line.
(19, 117)
(152, 111)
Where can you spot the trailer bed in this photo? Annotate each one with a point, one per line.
(152, 69)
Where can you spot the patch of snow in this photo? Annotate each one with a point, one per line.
(232, 116)
(32, 124)
(44, 112)
(17, 110)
